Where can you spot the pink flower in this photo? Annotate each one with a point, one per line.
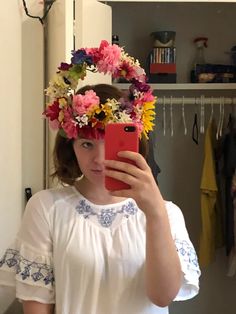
(143, 98)
(94, 53)
(140, 74)
(148, 97)
(109, 57)
(82, 103)
(69, 125)
(130, 71)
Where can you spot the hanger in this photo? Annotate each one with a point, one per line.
(164, 115)
(221, 119)
(183, 117)
(195, 126)
(212, 111)
(218, 125)
(171, 117)
(222, 115)
(202, 115)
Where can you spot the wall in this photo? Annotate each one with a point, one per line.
(10, 128)
(179, 158)
(21, 127)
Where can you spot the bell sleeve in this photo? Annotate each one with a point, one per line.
(186, 252)
(27, 265)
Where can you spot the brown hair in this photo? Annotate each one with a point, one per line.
(65, 163)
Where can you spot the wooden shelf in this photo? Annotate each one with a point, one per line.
(185, 86)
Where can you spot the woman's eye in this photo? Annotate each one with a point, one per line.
(87, 144)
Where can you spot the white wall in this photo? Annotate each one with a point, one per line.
(21, 127)
(10, 127)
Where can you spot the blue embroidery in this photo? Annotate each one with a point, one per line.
(27, 269)
(129, 209)
(188, 253)
(107, 215)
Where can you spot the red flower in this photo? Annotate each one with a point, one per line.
(52, 111)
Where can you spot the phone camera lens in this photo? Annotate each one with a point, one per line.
(129, 128)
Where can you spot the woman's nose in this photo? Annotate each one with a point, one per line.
(99, 155)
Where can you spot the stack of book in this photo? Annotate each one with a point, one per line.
(162, 65)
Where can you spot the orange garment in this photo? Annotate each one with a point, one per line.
(209, 211)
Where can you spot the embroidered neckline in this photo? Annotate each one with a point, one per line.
(99, 206)
(107, 214)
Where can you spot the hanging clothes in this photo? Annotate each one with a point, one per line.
(229, 167)
(232, 255)
(151, 159)
(211, 234)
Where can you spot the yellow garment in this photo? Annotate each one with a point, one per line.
(208, 204)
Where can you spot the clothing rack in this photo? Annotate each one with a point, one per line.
(202, 100)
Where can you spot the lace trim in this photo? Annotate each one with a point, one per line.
(25, 269)
(107, 215)
(188, 253)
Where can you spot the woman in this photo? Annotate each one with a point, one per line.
(82, 249)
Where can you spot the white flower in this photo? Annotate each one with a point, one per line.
(113, 103)
(122, 116)
(82, 120)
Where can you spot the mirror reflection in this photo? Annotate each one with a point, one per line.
(138, 249)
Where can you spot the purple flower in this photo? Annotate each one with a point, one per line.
(64, 66)
(142, 87)
(125, 104)
(80, 56)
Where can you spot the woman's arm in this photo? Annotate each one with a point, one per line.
(33, 307)
(163, 270)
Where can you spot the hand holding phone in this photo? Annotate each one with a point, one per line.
(119, 137)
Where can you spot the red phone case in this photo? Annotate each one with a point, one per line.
(118, 137)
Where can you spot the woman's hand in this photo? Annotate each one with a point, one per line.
(143, 188)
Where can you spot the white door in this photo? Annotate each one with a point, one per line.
(93, 22)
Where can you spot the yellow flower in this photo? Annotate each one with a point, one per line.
(108, 111)
(62, 103)
(59, 81)
(61, 116)
(148, 116)
(100, 113)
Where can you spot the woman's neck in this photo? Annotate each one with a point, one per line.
(95, 193)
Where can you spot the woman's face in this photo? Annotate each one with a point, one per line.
(90, 156)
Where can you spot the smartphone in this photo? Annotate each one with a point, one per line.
(119, 137)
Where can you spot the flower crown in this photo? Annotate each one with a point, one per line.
(69, 112)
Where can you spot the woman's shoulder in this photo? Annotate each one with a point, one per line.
(56, 193)
(50, 197)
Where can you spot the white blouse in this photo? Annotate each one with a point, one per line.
(87, 258)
